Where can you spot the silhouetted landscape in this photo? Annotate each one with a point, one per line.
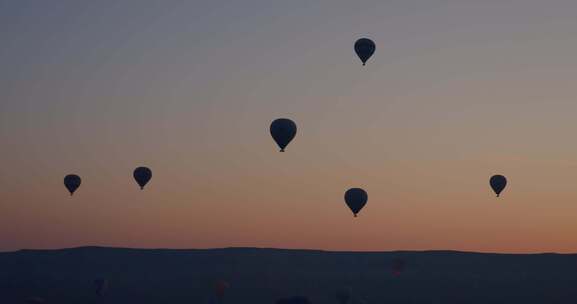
(266, 275)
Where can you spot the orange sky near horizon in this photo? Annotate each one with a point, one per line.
(455, 93)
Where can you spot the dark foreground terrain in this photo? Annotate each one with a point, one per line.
(264, 275)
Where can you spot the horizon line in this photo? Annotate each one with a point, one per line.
(85, 247)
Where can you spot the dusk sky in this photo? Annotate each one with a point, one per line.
(457, 91)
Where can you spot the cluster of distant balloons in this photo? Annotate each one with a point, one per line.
(283, 131)
(142, 175)
(101, 288)
(343, 295)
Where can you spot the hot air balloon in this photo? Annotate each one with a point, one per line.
(101, 286)
(344, 295)
(356, 199)
(294, 300)
(398, 266)
(498, 183)
(283, 130)
(72, 182)
(365, 48)
(142, 175)
(35, 300)
(220, 288)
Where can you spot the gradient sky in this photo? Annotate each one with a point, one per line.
(456, 91)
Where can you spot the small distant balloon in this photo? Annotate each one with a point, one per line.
(220, 288)
(344, 295)
(142, 175)
(35, 300)
(101, 286)
(498, 183)
(356, 199)
(283, 130)
(398, 266)
(72, 182)
(365, 48)
(294, 300)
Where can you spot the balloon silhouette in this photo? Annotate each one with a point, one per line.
(101, 286)
(220, 288)
(35, 300)
(294, 300)
(72, 182)
(365, 48)
(398, 266)
(344, 295)
(356, 199)
(283, 130)
(142, 175)
(498, 183)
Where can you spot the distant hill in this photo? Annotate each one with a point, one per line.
(264, 275)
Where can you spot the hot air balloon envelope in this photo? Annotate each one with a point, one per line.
(294, 300)
(101, 286)
(365, 48)
(72, 182)
(344, 295)
(142, 175)
(498, 183)
(283, 131)
(220, 288)
(35, 300)
(398, 266)
(356, 199)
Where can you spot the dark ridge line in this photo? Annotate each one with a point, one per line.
(270, 249)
